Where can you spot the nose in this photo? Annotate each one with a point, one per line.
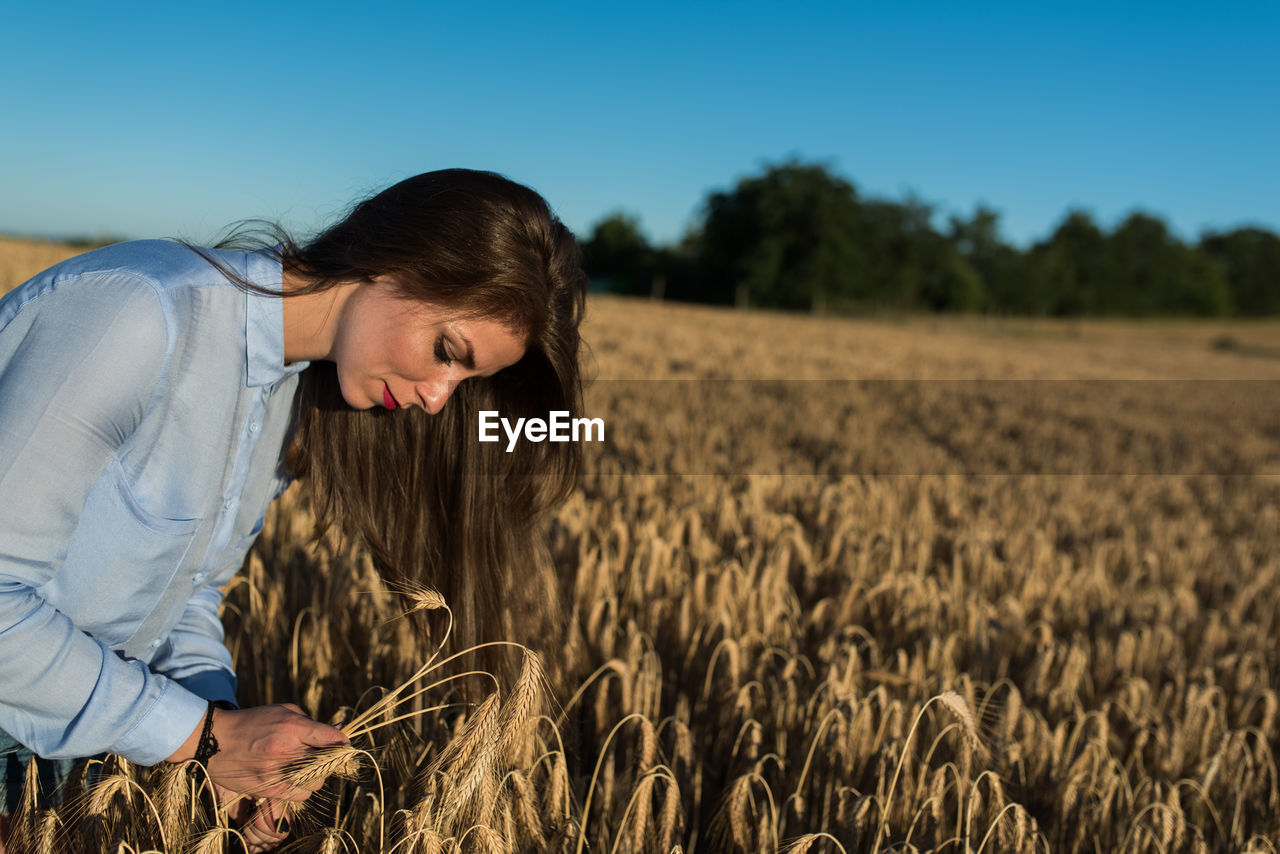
(434, 394)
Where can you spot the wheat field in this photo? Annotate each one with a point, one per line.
(912, 584)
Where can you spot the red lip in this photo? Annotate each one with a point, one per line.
(388, 400)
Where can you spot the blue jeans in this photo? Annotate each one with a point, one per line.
(13, 761)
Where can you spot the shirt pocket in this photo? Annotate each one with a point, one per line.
(120, 561)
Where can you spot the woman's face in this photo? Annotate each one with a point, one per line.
(394, 352)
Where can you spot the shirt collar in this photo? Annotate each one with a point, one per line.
(264, 323)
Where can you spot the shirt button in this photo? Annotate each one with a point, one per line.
(253, 428)
(228, 504)
(197, 578)
(155, 643)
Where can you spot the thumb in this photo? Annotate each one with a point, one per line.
(324, 735)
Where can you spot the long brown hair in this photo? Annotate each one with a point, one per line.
(432, 504)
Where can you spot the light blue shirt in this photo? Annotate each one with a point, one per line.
(144, 403)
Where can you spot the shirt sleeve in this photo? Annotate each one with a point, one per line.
(195, 655)
(79, 365)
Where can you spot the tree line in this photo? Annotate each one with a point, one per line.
(798, 236)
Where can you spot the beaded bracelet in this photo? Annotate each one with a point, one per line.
(208, 745)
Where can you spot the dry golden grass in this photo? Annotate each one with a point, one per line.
(21, 259)
(934, 640)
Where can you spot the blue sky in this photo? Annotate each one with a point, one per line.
(146, 120)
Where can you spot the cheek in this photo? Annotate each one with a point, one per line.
(413, 357)
(358, 356)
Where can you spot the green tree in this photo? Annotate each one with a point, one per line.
(1152, 272)
(618, 253)
(1067, 274)
(786, 238)
(1249, 258)
(892, 245)
(994, 262)
(912, 265)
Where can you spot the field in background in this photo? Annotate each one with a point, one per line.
(834, 583)
(21, 258)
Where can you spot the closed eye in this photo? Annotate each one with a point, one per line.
(442, 353)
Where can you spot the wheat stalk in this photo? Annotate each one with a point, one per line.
(949, 700)
(804, 843)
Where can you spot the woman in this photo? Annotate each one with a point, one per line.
(155, 397)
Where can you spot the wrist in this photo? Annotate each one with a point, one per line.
(190, 747)
(187, 750)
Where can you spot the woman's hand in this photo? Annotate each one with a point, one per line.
(257, 746)
(260, 822)
(256, 749)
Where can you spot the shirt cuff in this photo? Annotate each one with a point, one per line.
(165, 728)
(212, 684)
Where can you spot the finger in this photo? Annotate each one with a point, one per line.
(269, 825)
(259, 842)
(239, 811)
(269, 812)
(257, 826)
(266, 834)
(318, 734)
(237, 807)
(260, 836)
(255, 835)
(323, 735)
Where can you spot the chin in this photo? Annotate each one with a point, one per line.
(354, 401)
